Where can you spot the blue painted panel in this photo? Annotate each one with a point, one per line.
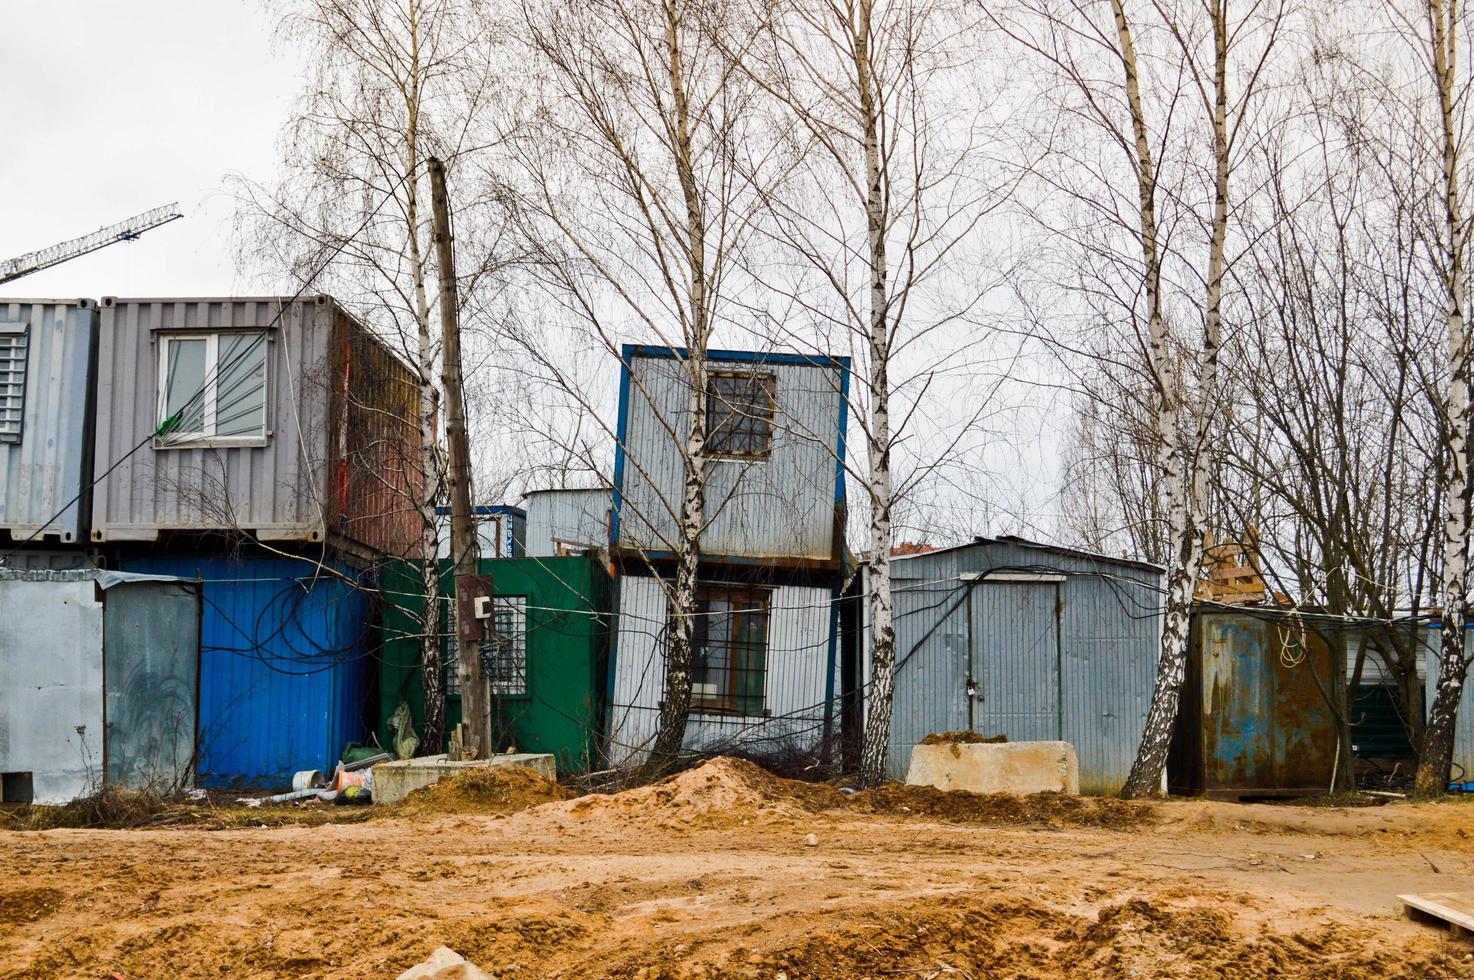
(284, 665)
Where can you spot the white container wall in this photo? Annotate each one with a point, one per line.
(48, 357)
(800, 693)
(562, 521)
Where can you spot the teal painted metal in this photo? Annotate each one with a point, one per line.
(285, 667)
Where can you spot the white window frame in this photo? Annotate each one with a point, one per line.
(212, 392)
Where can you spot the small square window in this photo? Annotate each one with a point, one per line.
(739, 413)
(14, 344)
(212, 386)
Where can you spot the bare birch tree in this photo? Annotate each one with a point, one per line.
(632, 207)
(864, 236)
(1441, 31)
(393, 82)
(1173, 89)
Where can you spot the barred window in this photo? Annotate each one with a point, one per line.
(729, 657)
(13, 345)
(503, 659)
(739, 413)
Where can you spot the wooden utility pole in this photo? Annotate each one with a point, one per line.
(475, 727)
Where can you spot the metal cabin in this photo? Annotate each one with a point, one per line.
(765, 669)
(775, 446)
(501, 531)
(48, 360)
(1004, 636)
(567, 522)
(285, 420)
(99, 683)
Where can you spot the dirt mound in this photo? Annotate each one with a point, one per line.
(1026, 940)
(720, 792)
(962, 738)
(1003, 809)
(494, 789)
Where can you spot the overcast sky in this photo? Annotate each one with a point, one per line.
(118, 108)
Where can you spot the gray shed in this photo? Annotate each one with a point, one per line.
(1005, 636)
(48, 354)
(99, 682)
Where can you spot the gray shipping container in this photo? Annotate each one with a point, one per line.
(567, 520)
(336, 457)
(48, 360)
(1008, 637)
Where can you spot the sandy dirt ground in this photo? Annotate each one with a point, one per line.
(714, 874)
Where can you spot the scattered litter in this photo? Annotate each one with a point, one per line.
(812, 840)
(445, 964)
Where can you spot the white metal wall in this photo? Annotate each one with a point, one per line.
(796, 686)
(51, 684)
(46, 469)
(779, 505)
(576, 516)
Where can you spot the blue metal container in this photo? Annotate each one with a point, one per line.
(285, 666)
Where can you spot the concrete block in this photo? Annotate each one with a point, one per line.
(445, 964)
(1003, 767)
(393, 781)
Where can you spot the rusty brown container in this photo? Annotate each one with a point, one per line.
(1254, 718)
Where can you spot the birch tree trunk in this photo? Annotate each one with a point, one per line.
(675, 707)
(1183, 462)
(1438, 738)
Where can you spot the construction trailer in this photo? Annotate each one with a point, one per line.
(48, 363)
(286, 662)
(501, 531)
(1004, 636)
(283, 420)
(546, 669)
(765, 669)
(99, 683)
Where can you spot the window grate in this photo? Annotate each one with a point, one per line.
(739, 413)
(14, 346)
(504, 659)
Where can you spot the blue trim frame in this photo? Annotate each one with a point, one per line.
(844, 424)
(735, 356)
(616, 493)
(832, 662)
(486, 509)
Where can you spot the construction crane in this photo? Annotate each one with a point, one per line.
(123, 231)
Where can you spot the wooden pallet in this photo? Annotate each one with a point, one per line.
(1454, 909)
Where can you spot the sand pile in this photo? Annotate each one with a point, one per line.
(495, 789)
(721, 792)
(1003, 809)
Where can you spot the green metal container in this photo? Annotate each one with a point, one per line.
(563, 618)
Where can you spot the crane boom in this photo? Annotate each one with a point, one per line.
(123, 231)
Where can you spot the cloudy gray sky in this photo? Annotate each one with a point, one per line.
(119, 107)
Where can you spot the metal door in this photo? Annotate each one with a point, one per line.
(1015, 660)
(151, 660)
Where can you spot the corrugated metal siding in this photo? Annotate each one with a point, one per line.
(1102, 669)
(284, 665)
(781, 505)
(48, 466)
(796, 686)
(575, 516)
(275, 490)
